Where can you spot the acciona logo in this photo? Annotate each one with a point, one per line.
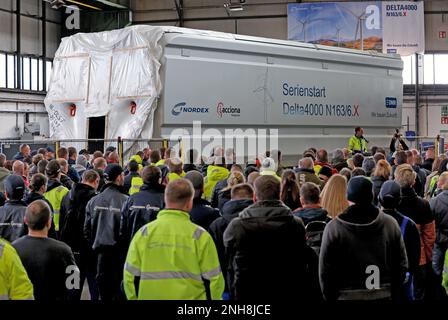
(223, 110)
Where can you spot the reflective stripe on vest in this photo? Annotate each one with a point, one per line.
(4, 297)
(136, 184)
(2, 246)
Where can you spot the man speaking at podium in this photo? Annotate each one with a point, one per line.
(357, 142)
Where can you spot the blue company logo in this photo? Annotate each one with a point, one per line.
(391, 102)
(391, 50)
(182, 107)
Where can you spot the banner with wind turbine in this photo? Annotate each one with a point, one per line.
(387, 26)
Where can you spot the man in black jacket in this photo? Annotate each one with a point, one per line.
(12, 213)
(71, 228)
(222, 184)
(362, 256)
(241, 198)
(311, 210)
(101, 230)
(419, 210)
(142, 207)
(439, 208)
(202, 213)
(389, 198)
(266, 249)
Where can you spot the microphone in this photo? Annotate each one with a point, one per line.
(362, 137)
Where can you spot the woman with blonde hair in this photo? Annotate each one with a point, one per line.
(334, 196)
(234, 178)
(380, 175)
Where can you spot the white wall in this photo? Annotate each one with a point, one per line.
(22, 102)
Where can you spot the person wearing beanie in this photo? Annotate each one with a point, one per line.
(389, 198)
(101, 231)
(12, 213)
(325, 173)
(363, 256)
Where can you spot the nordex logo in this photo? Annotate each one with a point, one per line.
(391, 102)
(182, 107)
(233, 111)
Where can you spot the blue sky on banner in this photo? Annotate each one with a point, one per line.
(313, 22)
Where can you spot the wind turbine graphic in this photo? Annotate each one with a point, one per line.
(359, 24)
(267, 96)
(338, 35)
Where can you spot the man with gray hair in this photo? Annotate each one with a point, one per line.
(305, 172)
(48, 262)
(202, 213)
(338, 161)
(81, 164)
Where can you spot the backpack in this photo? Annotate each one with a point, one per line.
(313, 233)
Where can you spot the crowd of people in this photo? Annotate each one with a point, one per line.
(355, 225)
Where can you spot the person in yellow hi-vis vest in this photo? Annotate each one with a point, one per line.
(357, 143)
(14, 281)
(55, 190)
(171, 257)
(175, 169)
(133, 181)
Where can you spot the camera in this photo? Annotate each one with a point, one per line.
(397, 134)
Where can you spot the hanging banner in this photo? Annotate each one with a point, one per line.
(403, 27)
(389, 26)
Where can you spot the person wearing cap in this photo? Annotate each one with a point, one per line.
(50, 154)
(363, 256)
(215, 172)
(305, 172)
(389, 198)
(325, 174)
(439, 208)
(368, 164)
(102, 232)
(268, 168)
(202, 213)
(266, 249)
(14, 281)
(171, 257)
(357, 143)
(12, 213)
(55, 190)
(142, 207)
(419, 210)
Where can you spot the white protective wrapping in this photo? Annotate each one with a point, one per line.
(101, 73)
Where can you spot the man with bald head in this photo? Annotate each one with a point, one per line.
(177, 258)
(18, 169)
(48, 262)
